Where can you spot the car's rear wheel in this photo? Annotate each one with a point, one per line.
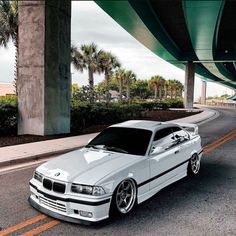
(124, 197)
(194, 164)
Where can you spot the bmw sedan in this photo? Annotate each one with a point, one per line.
(121, 167)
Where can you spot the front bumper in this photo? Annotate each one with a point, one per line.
(69, 209)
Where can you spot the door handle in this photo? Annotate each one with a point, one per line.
(177, 151)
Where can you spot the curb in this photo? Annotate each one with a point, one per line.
(214, 114)
(210, 118)
(36, 157)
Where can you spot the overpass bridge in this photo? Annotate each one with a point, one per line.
(198, 36)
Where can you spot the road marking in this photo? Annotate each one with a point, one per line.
(42, 228)
(22, 224)
(219, 142)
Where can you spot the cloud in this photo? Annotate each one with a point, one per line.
(91, 24)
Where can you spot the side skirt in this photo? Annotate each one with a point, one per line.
(153, 191)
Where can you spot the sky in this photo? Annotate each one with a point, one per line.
(91, 24)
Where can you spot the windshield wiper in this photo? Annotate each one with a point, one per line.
(95, 146)
(116, 149)
(108, 148)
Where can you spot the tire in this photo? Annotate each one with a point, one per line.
(194, 165)
(124, 198)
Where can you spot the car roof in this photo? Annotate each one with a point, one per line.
(144, 124)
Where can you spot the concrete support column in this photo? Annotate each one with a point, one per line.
(44, 81)
(189, 85)
(203, 95)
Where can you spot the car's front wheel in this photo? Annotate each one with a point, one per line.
(124, 197)
(194, 164)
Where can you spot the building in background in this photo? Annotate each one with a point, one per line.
(7, 89)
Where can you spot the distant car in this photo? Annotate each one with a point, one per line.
(124, 165)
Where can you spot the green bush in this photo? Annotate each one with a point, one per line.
(160, 105)
(175, 104)
(8, 115)
(9, 100)
(84, 114)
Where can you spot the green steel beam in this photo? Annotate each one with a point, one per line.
(123, 13)
(201, 18)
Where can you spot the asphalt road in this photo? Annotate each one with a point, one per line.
(203, 205)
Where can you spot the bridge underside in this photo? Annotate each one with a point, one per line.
(184, 31)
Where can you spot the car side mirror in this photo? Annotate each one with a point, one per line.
(157, 150)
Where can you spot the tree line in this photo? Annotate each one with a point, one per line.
(94, 60)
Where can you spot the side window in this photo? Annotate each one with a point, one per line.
(163, 138)
(176, 128)
(162, 133)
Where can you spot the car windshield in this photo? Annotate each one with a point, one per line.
(124, 140)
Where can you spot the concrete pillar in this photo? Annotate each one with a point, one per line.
(203, 95)
(44, 81)
(189, 85)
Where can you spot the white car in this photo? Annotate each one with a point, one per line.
(124, 165)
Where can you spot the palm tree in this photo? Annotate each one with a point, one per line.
(119, 75)
(161, 87)
(171, 85)
(108, 63)
(9, 28)
(87, 57)
(175, 86)
(156, 82)
(179, 88)
(129, 77)
(168, 89)
(166, 85)
(77, 59)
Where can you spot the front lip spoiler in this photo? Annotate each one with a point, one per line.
(59, 216)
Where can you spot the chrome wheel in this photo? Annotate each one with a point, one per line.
(125, 196)
(195, 164)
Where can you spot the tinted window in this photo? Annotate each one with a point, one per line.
(176, 128)
(162, 133)
(163, 138)
(133, 141)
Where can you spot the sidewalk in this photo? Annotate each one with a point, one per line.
(23, 153)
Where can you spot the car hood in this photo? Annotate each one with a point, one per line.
(86, 166)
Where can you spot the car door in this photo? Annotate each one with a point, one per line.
(161, 164)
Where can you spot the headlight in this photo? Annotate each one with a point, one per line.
(38, 176)
(85, 189)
